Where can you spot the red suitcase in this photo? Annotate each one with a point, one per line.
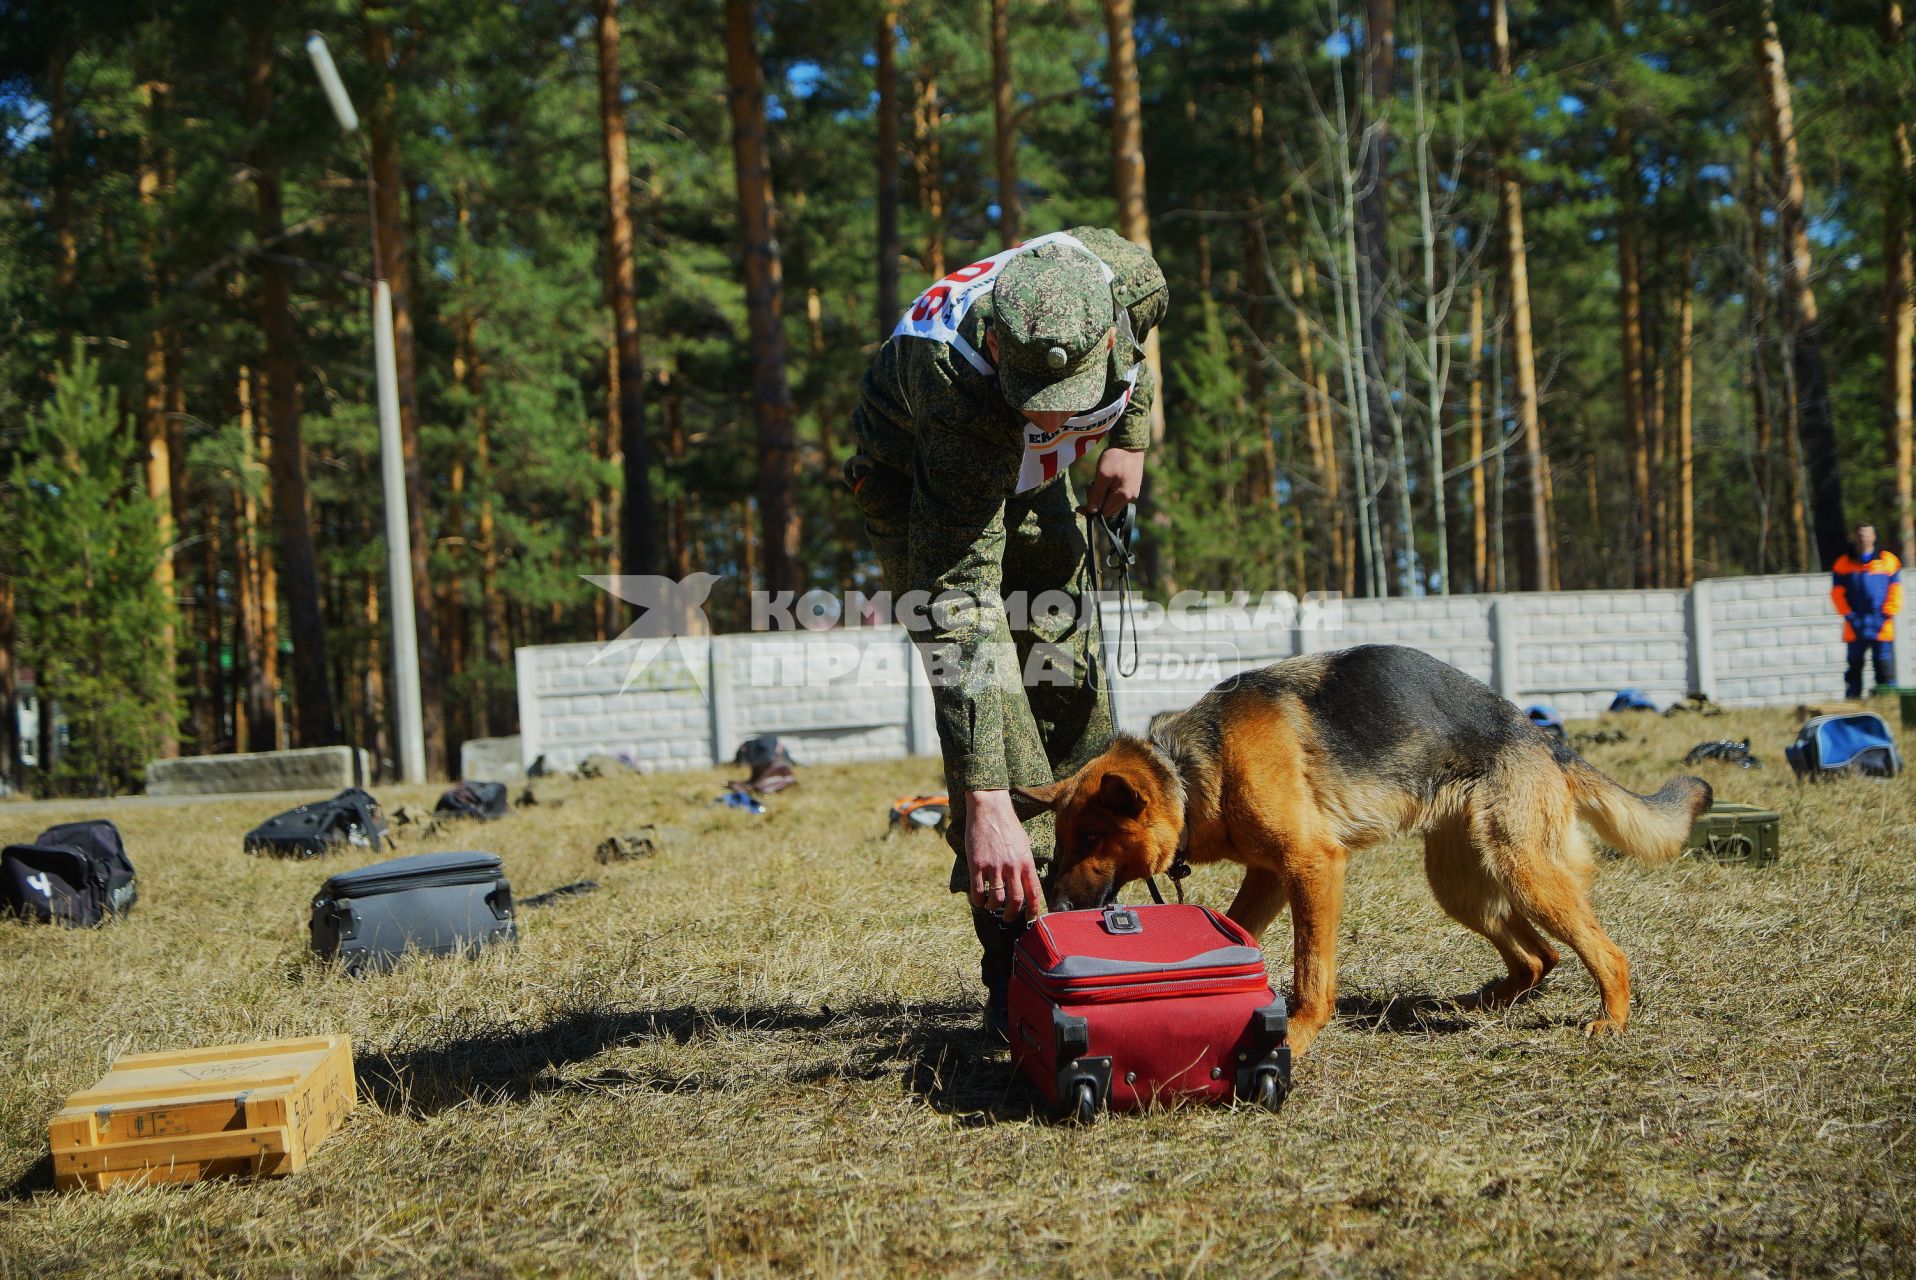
(1129, 1005)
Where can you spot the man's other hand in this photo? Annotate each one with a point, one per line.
(1119, 479)
(1004, 879)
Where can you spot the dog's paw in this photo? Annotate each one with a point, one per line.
(1604, 1026)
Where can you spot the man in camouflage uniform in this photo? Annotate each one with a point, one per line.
(996, 379)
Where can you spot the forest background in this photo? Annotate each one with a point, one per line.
(1464, 298)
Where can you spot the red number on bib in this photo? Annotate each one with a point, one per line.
(964, 275)
(930, 301)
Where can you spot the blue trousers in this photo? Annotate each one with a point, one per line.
(1884, 653)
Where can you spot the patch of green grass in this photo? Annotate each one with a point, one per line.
(756, 1052)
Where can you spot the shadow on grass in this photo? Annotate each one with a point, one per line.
(936, 1049)
(1426, 1014)
(1419, 1011)
(35, 1178)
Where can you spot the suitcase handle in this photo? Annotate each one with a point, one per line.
(1732, 846)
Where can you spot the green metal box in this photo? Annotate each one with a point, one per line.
(1735, 833)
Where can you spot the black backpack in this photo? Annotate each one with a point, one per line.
(76, 873)
(350, 818)
(482, 800)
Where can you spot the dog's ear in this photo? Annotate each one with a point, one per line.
(1119, 796)
(1030, 801)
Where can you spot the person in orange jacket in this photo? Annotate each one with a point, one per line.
(1867, 589)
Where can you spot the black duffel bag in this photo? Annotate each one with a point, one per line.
(482, 800)
(350, 818)
(74, 874)
(435, 903)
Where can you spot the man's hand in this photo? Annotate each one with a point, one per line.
(1004, 879)
(1119, 479)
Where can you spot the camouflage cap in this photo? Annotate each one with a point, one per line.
(1052, 312)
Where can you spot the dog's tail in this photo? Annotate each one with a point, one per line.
(1649, 828)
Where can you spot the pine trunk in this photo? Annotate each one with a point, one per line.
(1534, 548)
(638, 549)
(155, 438)
(372, 682)
(272, 717)
(888, 246)
(1479, 514)
(1899, 310)
(1763, 465)
(1656, 516)
(758, 235)
(928, 159)
(317, 723)
(1134, 224)
(1815, 428)
(1630, 321)
(66, 242)
(1373, 284)
(497, 711)
(678, 527)
(389, 188)
(1685, 444)
(212, 718)
(1004, 123)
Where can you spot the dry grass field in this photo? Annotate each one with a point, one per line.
(755, 1052)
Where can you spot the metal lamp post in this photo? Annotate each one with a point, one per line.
(392, 467)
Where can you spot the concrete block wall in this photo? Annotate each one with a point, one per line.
(1454, 628)
(861, 694)
(1774, 639)
(572, 704)
(1575, 649)
(1174, 667)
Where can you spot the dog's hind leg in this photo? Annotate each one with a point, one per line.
(1259, 900)
(1539, 856)
(1466, 891)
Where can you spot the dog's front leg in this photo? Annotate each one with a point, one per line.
(1259, 900)
(1316, 891)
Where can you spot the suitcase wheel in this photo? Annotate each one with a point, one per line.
(1083, 1106)
(1268, 1091)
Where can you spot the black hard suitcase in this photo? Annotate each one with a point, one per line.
(436, 903)
(76, 873)
(350, 818)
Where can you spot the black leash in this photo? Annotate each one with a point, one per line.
(1179, 869)
(1113, 556)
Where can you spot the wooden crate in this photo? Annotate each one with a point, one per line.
(241, 1109)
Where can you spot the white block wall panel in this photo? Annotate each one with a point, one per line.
(1576, 649)
(1455, 629)
(845, 695)
(1775, 639)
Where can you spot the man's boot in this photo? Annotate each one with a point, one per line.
(998, 940)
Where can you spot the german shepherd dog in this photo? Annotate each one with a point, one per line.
(1290, 768)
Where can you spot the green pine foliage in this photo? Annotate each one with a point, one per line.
(89, 609)
(504, 208)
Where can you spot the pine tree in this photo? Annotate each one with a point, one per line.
(88, 612)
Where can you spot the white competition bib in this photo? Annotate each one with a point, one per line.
(939, 310)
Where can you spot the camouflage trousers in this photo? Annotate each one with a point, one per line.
(1070, 723)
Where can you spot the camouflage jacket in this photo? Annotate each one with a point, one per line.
(953, 448)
